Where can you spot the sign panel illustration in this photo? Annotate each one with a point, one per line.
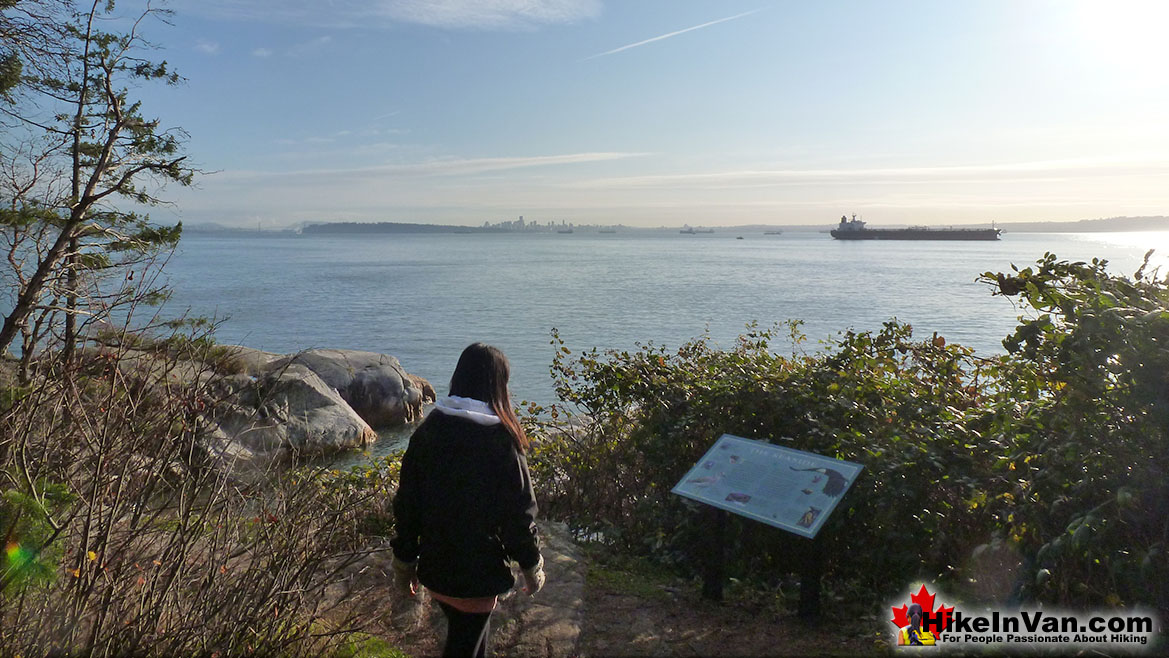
(786, 488)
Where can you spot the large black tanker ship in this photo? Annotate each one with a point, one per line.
(854, 229)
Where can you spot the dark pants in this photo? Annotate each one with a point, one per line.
(467, 633)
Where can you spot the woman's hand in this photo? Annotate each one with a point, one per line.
(534, 578)
(405, 576)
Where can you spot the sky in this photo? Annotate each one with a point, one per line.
(667, 112)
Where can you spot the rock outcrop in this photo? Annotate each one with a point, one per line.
(288, 409)
(374, 385)
(261, 405)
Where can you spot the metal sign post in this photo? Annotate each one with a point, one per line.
(789, 489)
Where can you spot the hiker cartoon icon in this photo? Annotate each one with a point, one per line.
(914, 635)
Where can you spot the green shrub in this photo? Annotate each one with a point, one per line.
(31, 553)
(1082, 409)
(365, 491)
(898, 406)
(1045, 469)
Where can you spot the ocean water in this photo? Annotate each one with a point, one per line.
(423, 298)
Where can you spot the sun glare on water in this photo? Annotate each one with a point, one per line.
(1135, 243)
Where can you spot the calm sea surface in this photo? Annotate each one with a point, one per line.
(423, 298)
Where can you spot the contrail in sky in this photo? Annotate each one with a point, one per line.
(385, 116)
(671, 34)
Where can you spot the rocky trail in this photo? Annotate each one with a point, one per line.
(575, 615)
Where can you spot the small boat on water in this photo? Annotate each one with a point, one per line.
(854, 229)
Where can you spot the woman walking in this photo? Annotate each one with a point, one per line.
(464, 509)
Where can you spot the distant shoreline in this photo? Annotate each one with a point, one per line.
(1107, 225)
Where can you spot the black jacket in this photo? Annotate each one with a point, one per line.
(464, 507)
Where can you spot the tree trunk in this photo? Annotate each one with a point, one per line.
(27, 300)
(70, 302)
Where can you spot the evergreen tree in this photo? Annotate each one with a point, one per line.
(75, 145)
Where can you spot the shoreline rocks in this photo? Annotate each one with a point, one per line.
(290, 408)
(374, 385)
(262, 406)
(314, 402)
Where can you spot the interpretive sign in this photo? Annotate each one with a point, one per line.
(789, 489)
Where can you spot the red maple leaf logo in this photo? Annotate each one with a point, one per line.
(926, 601)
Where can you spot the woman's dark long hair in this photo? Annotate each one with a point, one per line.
(482, 374)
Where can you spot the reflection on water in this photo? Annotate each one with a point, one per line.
(389, 441)
(1141, 241)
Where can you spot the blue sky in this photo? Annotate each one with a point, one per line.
(664, 112)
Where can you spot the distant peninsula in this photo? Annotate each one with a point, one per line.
(1105, 225)
(349, 228)
(515, 226)
(1102, 225)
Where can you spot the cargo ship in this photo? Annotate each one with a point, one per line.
(854, 229)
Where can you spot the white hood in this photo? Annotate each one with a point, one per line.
(473, 410)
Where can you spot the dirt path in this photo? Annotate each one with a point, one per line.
(544, 626)
(607, 612)
(678, 622)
